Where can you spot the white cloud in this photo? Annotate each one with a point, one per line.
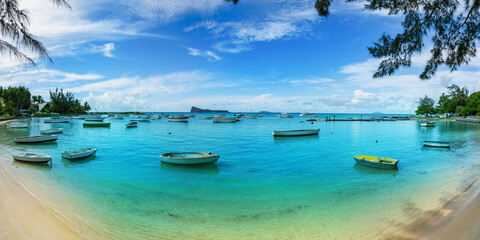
(107, 49)
(209, 55)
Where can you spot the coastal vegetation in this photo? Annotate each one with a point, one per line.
(454, 27)
(456, 101)
(18, 101)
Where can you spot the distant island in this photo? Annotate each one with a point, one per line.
(201, 110)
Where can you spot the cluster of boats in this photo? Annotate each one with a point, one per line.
(44, 158)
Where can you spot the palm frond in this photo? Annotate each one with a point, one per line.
(9, 49)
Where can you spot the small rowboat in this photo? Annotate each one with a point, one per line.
(178, 119)
(17, 125)
(376, 162)
(436, 144)
(131, 124)
(52, 131)
(94, 119)
(31, 157)
(36, 139)
(218, 115)
(285, 115)
(251, 117)
(140, 120)
(119, 118)
(225, 120)
(164, 115)
(189, 158)
(56, 121)
(96, 124)
(209, 117)
(79, 153)
(295, 133)
(78, 117)
(428, 124)
(191, 115)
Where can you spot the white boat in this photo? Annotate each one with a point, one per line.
(56, 121)
(79, 153)
(218, 115)
(225, 120)
(306, 114)
(155, 117)
(17, 125)
(436, 144)
(285, 115)
(209, 117)
(178, 119)
(189, 158)
(239, 115)
(178, 116)
(78, 117)
(293, 133)
(428, 124)
(52, 131)
(36, 139)
(31, 157)
(119, 117)
(131, 124)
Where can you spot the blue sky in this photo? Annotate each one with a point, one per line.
(274, 55)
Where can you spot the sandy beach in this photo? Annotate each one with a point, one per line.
(458, 219)
(22, 216)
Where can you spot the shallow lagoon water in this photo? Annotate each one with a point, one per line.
(261, 187)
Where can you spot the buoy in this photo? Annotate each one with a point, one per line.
(376, 141)
(169, 132)
(331, 132)
(312, 122)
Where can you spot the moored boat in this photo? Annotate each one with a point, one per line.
(189, 158)
(427, 124)
(79, 153)
(31, 157)
(285, 115)
(225, 120)
(218, 115)
(140, 120)
(96, 124)
(251, 117)
(56, 121)
(436, 144)
(17, 125)
(52, 131)
(178, 119)
(209, 117)
(164, 115)
(376, 162)
(295, 133)
(94, 119)
(36, 139)
(131, 124)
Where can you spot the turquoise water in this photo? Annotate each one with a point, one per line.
(261, 187)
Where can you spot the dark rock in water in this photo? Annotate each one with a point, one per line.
(200, 110)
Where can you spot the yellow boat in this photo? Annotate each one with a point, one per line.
(376, 162)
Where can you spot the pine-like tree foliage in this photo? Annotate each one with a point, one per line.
(453, 25)
(15, 37)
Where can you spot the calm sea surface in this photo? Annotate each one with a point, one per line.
(261, 188)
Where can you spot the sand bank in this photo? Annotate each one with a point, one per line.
(22, 216)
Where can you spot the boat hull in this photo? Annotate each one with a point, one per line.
(373, 164)
(225, 120)
(92, 124)
(202, 158)
(56, 121)
(76, 155)
(434, 144)
(296, 133)
(32, 157)
(52, 131)
(36, 139)
(178, 119)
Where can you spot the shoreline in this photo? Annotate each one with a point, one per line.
(458, 218)
(22, 215)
